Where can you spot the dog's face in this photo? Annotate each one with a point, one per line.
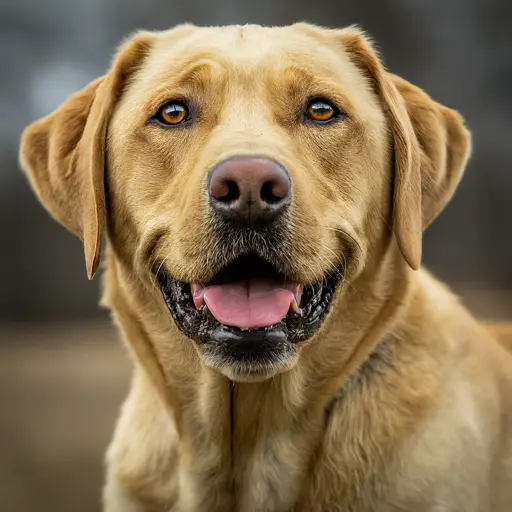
(235, 157)
(249, 172)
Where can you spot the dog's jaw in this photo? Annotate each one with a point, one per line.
(249, 354)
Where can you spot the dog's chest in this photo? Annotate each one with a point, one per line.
(271, 449)
(267, 475)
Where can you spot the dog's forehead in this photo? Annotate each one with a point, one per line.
(248, 42)
(248, 48)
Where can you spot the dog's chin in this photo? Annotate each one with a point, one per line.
(243, 346)
(249, 372)
(249, 356)
(248, 375)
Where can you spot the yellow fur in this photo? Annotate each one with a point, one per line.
(402, 400)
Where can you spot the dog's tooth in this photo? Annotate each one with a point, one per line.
(298, 293)
(197, 290)
(198, 295)
(294, 306)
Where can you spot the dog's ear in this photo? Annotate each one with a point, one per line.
(431, 147)
(63, 154)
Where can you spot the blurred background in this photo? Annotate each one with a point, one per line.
(63, 373)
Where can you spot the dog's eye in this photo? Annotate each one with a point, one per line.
(321, 111)
(173, 113)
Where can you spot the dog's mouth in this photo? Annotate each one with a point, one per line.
(249, 294)
(249, 310)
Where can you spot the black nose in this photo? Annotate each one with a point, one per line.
(249, 189)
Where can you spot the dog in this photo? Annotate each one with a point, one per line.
(264, 192)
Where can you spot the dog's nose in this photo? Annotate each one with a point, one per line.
(249, 189)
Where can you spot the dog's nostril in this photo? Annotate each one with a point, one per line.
(231, 193)
(225, 191)
(272, 192)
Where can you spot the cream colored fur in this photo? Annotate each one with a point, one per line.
(402, 401)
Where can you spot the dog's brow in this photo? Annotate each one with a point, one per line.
(196, 72)
(198, 68)
(306, 80)
(299, 73)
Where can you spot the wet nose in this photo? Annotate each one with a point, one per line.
(249, 189)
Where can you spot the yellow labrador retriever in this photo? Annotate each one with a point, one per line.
(263, 192)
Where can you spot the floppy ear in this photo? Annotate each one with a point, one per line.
(63, 154)
(431, 147)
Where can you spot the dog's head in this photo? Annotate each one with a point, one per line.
(248, 171)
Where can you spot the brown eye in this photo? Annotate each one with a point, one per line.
(173, 113)
(321, 111)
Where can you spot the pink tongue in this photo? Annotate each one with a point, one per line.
(258, 303)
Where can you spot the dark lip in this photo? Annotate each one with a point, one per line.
(203, 328)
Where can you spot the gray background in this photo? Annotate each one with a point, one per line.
(62, 375)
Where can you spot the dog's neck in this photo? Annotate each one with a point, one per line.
(244, 439)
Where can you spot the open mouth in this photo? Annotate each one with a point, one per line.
(248, 294)
(249, 310)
